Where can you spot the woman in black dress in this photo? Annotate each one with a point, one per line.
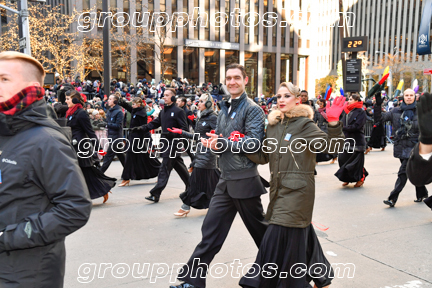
(138, 165)
(205, 174)
(378, 136)
(320, 118)
(351, 160)
(78, 120)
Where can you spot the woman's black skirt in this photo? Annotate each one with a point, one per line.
(324, 157)
(284, 259)
(97, 182)
(140, 166)
(351, 167)
(202, 184)
(378, 137)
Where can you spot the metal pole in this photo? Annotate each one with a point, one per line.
(24, 29)
(106, 48)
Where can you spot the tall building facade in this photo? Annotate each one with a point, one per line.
(270, 55)
(392, 27)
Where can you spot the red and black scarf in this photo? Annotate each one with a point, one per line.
(72, 109)
(22, 100)
(350, 107)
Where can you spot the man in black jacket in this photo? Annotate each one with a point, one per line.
(405, 123)
(181, 103)
(114, 119)
(170, 116)
(419, 168)
(239, 188)
(43, 194)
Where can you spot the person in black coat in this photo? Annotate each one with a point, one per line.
(170, 116)
(43, 194)
(82, 132)
(114, 119)
(205, 174)
(181, 103)
(378, 136)
(405, 123)
(351, 160)
(138, 165)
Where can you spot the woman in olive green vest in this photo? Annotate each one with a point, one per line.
(292, 141)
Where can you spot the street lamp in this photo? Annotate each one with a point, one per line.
(391, 80)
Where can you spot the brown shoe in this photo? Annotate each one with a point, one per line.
(359, 184)
(190, 169)
(368, 150)
(382, 149)
(345, 184)
(106, 196)
(124, 183)
(182, 213)
(333, 160)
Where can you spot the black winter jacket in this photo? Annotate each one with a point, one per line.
(204, 158)
(353, 128)
(247, 118)
(138, 118)
(81, 127)
(401, 146)
(321, 122)
(171, 116)
(43, 198)
(114, 119)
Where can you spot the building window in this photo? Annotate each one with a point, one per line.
(169, 65)
(246, 28)
(265, 29)
(217, 29)
(256, 28)
(237, 29)
(231, 56)
(145, 68)
(274, 28)
(86, 5)
(186, 27)
(212, 66)
(269, 74)
(251, 66)
(191, 64)
(228, 24)
(207, 27)
(173, 10)
(195, 16)
(286, 68)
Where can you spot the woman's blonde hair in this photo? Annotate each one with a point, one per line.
(138, 100)
(207, 97)
(291, 88)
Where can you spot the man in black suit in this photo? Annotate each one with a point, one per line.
(170, 116)
(239, 188)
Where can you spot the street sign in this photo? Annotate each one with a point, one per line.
(22, 43)
(427, 72)
(352, 80)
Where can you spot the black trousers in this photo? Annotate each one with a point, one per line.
(110, 156)
(215, 228)
(421, 191)
(165, 170)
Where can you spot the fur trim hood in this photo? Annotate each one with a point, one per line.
(301, 110)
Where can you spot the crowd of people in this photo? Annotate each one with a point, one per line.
(56, 133)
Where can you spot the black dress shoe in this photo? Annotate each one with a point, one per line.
(428, 202)
(183, 285)
(420, 199)
(153, 198)
(389, 202)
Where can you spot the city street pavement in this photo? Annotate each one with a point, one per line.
(390, 247)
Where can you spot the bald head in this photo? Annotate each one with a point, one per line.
(409, 96)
